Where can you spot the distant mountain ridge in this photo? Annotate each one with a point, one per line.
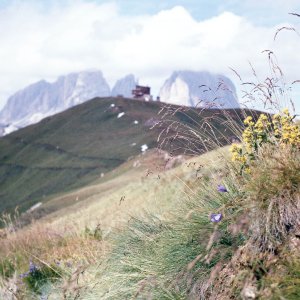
(201, 89)
(124, 86)
(42, 99)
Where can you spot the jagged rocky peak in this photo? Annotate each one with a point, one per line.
(42, 98)
(201, 89)
(124, 86)
(82, 86)
(22, 101)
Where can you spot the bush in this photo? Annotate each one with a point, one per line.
(269, 152)
(267, 266)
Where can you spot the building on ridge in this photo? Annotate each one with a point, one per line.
(142, 93)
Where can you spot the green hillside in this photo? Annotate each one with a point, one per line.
(145, 231)
(73, 148)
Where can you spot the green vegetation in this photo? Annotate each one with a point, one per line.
(186, 256)
(73, 234)
(70, 150)
(37, 276)
(73, 148)
(170, 259)
(165, 227)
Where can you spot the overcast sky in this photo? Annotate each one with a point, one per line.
(46, 39)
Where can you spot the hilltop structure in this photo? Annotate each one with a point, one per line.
(142, 93)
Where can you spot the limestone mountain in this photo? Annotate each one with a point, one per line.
(201, 89)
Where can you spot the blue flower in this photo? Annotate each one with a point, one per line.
(215, 218)
(24, 275)
(222, 189)
(32, 267)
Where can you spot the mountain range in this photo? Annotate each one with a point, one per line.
(42, 99)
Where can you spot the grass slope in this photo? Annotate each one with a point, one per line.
(61, 235)
(70, 149)
(73, 148)
(159, 243)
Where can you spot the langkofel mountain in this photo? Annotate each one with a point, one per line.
(43, 99)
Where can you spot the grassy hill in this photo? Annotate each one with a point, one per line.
(70, 149)
(135, 188)
(75, 147)
(145, 232)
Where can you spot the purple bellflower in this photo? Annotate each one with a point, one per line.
(32, 267)
(215, 218)
(222, 189)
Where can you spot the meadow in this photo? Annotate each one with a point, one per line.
(191, 218)
(223, 225)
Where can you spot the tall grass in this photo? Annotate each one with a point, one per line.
(57, 253)
(174, 258)
(186, 256)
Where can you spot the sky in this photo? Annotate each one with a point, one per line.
(150, 39)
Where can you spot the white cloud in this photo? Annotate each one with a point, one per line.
(38, 44)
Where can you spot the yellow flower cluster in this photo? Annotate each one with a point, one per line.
(255, 133)
(285, 130)
(280, 130)
(237, 153)
(248, 121)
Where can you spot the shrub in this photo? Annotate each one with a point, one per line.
(270, 152)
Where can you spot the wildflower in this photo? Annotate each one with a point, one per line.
(248, 121)
(247, 170)
(23, 275)
(263, 117)
(281, 131)
(215, 218)
(235, 148)
(32, 267)
(286, 111)
(44, 297)
(57, 262)
(222, 189)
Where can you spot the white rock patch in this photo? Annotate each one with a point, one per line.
(120, 115)
(144, 148)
